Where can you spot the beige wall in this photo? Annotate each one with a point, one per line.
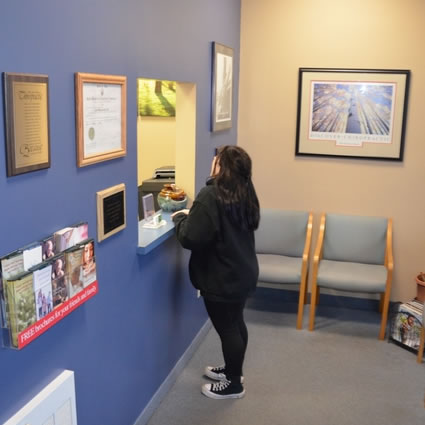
(280, 36)
(156, 145)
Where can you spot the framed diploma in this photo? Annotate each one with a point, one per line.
(110, 211)
(101, 107)
(26, 100)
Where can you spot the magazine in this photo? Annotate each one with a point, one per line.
(74, 276)
(81, 232)
(11, 265)
(64, 239)
(59, 290)
(89, 262)
(42, 282)
(48, 248)
(407, 323)
(20, 299)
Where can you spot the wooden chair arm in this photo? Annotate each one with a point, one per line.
(309, 232)
(389, 262)
(319, 245)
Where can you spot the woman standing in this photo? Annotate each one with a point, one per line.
(219, 230)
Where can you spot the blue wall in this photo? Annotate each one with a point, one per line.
(123, 342)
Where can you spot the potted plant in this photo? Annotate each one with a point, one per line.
(420, 287)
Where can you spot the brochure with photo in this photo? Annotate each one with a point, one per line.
(74, 272)
(89, 262)
(64, 239)
(12, 264)
(59, 290)
(21, 304)
(42, 282)
(48, 248)
(81, 232)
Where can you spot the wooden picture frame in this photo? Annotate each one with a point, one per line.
(101, 117)
(26, 111)
(352, 113)
(222, 87)
(111, 211)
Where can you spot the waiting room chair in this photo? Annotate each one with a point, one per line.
(422, 341)
(283, 242)
(353, 253)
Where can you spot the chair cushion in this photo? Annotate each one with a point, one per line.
(279, 268)
(358, 239)
(281, 232)
(356, 277)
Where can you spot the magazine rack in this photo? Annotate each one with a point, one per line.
(37, 290)
(18, 339)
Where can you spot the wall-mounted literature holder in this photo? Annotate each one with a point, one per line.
(41, 286)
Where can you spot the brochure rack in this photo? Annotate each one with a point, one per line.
(38, 290)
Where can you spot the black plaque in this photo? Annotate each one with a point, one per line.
(113, 212)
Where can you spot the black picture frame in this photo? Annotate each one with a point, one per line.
(222, 87)
(352, 113)
(27, 129)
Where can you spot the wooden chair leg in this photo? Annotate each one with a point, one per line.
(381, 302)
(300, 310)
(305, 290)
(314, 296)
(421, 345)
(301, 302)
(385, 306)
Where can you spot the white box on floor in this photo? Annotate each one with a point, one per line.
(53, 405)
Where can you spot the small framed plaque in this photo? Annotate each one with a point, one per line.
(26, 100)
(101, 111)
(111, 211)
(148, 207)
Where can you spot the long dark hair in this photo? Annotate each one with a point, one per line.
(235, 190)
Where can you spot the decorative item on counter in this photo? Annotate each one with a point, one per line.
(420, 287)
(172, 198)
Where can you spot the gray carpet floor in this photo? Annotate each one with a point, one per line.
(340, 374)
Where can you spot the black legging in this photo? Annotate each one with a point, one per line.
(228, 321)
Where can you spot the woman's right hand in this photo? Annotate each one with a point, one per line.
(185, 211)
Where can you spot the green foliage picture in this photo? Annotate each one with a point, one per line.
(156, 98)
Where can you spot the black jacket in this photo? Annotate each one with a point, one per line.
(223, 264)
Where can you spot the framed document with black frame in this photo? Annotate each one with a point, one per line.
(26, 110)
(222, 87)
(111, 211)
(101, 111)
(352, 113)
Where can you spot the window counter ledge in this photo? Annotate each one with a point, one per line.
(149, 239)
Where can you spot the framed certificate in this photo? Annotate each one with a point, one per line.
(101, 106)
(26, 100)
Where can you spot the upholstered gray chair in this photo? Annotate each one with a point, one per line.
(422, 343)
(283, 242)
(353, 253)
